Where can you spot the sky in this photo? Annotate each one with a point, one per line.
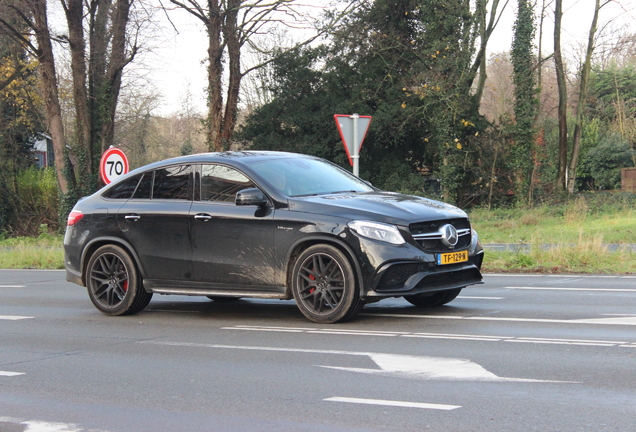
(176, 64)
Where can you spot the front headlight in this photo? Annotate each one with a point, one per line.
(377, 231)
(474, 242)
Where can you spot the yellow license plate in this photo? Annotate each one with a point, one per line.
(452, 258)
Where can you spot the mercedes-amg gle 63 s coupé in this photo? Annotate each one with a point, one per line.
(266, 225)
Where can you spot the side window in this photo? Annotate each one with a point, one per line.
(221, 183)
(172, 183)
(145, 187)
(124, 189)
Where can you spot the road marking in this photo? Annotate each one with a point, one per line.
(445, 336)
(631, 321)
(14, 318)
(393, 403)
(572, 289)
(480, 298)
(10, 374)
(40, 426)
(402, 366)
(12, 286)
(525, 275)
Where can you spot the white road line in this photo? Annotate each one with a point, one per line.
(592, 321)
(445, 336)
(480, 298)
(525, 275)
(393, 403)
(14, 318)
(10, 374)
(12, 286)
(572, 289)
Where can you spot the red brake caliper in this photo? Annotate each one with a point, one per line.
(125, 285)
(311, 290)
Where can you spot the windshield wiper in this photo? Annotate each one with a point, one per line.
(344, 191)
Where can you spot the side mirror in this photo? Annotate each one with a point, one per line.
(251, 196)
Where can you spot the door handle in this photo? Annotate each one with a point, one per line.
(132, 217)
(202, 216)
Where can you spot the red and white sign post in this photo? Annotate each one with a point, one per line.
(113, 165)
(353, 129)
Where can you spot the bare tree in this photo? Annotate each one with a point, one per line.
(232, 25)
(583, 88)
(99, 27)
(33, 14)
(563, 99)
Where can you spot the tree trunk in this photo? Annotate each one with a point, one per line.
(215, 71)
(98, 40)
(74, 10)
(563, 99)
(116, 64)
(49, 89)
(585, 74)
(230, 33)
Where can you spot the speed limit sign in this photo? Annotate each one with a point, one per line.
(113, 165)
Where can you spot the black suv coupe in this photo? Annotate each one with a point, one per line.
(266, 225)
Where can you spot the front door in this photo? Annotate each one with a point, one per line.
(231, 245)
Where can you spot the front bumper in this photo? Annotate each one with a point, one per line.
(394, 271)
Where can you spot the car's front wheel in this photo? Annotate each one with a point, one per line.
(324, 285)
(435, 299)
(113, 282)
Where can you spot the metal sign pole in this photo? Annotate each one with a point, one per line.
(356, 151)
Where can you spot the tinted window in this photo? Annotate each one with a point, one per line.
(123, 190)
(145, 187)
(304, 176)
(221, 183)
(172, 183)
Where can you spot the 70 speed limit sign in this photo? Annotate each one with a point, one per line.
(113, 165)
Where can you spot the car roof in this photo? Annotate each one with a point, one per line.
(239, 157)
(236, 158)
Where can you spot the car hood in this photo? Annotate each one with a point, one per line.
(388, 207)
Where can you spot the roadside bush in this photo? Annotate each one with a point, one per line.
(606, 159)
(32, 208)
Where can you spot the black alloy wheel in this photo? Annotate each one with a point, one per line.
(436, 299)
(324, 285)
(113, 282)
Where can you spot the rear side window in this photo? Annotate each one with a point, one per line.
(124, 189)
(221, 183)
(172, 183)
(145, 187)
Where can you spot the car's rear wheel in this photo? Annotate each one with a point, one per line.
(324, 285)
(435, 299)
(223, 299)
(113, 282)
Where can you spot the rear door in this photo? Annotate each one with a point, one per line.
(155, 222)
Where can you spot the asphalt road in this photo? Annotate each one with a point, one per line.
(520, 353)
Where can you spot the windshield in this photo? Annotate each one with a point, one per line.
(296, 177)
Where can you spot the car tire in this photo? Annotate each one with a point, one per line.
(324, 285)
(223, 299)
(113, 282)
(434, 299)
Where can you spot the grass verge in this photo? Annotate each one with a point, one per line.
(591, 257)
(42, 252)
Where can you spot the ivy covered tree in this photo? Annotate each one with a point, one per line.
(526, 103)
(411, 65)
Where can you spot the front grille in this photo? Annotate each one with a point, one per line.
(432, 226)
(436, 245)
